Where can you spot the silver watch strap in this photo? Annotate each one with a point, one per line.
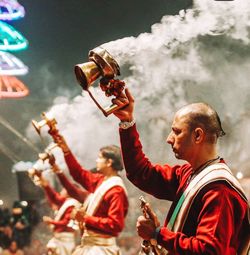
(126, 124)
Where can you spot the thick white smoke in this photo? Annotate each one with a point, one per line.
(202, 54)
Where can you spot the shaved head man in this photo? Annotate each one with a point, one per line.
(209, 211)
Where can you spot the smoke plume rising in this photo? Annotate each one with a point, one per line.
(202, 54)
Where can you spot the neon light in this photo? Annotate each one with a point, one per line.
(11, 10)
(11, 65)
(11, 39)
(11, 87)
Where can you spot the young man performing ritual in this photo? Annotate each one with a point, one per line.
(104, 210)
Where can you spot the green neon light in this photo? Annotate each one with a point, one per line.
(11, 39)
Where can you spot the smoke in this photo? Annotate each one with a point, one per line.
(22, 166)
(202, 54)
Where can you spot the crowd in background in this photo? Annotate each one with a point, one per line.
(22, 231)
(16, 225)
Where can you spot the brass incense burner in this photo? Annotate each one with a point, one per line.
(101, 64)
(51, 123)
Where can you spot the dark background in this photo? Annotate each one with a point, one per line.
(60, 34)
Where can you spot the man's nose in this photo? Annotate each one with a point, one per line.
(170, 138)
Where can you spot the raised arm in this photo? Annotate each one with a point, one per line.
(63, 221)
(81, 175)
(78, 193)
(52, 196)
(140, 171)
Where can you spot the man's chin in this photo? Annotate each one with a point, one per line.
(177, 156)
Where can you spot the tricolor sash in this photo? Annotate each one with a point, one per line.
(212, 173)
(215, 172)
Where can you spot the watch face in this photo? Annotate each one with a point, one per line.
(124, 125)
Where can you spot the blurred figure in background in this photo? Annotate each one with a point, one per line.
(5, 228)
(13, 249)
(19, 222)
(72, 189)
(63, 241)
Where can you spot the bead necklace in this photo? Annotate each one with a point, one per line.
(200, 168)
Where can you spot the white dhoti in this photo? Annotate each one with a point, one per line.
(92, 244)
(62, 243)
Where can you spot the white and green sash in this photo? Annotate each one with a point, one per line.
(212, 173)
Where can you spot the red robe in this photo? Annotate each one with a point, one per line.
(58, 200)
(79, 194)
(217, 220)
(109, 217)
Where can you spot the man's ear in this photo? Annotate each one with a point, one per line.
(110, 162)
(198, 135)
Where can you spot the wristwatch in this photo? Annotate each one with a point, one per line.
(126, 124)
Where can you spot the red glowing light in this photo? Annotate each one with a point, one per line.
(11, 87)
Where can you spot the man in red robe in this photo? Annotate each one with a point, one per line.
(63, 241)
(209, 213)
(104, 211)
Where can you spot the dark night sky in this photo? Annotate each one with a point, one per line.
(60, 34)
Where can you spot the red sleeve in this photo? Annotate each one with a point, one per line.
(113, 223)
(65, 219)
(142, 173)
(73, 191)
(53, 196)
(84, 177)
(219, 223)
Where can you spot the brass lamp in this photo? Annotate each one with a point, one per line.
(46, 121)
(101, 64)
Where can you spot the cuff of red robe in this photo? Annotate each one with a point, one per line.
(89, 220)
(154, 237)
(156, 233)
(166, 238)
